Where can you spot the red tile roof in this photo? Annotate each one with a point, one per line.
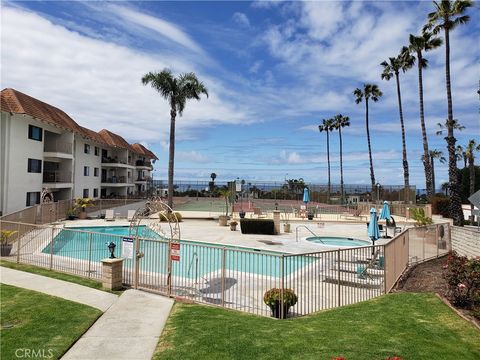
(16, 102)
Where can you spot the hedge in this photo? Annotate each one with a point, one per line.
(440, 206)
(257, 226)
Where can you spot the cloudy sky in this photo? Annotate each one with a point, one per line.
(274, 70)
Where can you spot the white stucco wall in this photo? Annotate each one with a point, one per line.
(466, 241)
(92, 161)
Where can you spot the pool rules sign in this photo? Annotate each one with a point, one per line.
(175, 252)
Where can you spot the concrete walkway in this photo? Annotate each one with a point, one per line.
(84, 295)
(130, 329)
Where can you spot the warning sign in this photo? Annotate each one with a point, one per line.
(127, 248)
(175, 252)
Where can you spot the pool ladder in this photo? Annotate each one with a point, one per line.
(311, 232)
(194, 257)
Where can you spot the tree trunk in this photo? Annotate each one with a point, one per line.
(328, 164)
(432, 163)
(171, 157)
(372, 175)
(471, 168)
(341, 166)
(427, 165)
(406, 181)
(456, 211)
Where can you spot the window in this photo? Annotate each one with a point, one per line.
(86, 171)
(85, 193)
(95, 193)
(97, 151)
(34, 166)
(95, 172)
(35, 133)
(33, 198)
(86, 149)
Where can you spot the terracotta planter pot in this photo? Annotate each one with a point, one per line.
(222, 220)
(82, 215)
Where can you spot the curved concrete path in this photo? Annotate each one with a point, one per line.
(129, 328)
(84, 295)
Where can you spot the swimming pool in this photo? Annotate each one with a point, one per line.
(337, 241)
(196, 258)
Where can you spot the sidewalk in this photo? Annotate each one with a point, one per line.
(84, 295)
(129, 328)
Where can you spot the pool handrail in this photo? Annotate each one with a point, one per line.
(311, 232)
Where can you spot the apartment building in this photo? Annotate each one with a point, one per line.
(42, 147)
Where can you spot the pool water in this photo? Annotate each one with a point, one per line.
(196, 258)
(337, 241)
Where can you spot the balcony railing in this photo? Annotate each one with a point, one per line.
(115, 180)
(57, 177)
(143, 163)
(58, 146)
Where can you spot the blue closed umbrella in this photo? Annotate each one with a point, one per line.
(373, 230)
(306, 195)
(385, 214)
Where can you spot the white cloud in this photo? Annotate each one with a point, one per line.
(241, 19)
(192, 156)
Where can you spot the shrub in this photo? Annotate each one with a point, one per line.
(257, 226)
(164, 216)
(440, 206)
(273, 296)
(463, 280)
(418, 214)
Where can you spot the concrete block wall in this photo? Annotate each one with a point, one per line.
(466, 241)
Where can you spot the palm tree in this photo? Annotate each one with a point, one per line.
(470, 149)
(460, 155)
(447, 16)
(327, 126)
(177, 90)
(340, 122)
(444, 187)
(435, 154)
(370, 91)
(417, 44)
(403, 62)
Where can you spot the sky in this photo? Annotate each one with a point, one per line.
(273, 71)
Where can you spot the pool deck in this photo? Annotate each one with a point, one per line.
(197, 226)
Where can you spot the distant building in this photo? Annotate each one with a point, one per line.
(42, 147)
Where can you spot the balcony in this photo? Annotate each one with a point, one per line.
(58, 179)
(115, 181)
(142, 180)
(139, 164)
(116, 163)
(58, 149)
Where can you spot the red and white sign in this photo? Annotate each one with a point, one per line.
(175, 252)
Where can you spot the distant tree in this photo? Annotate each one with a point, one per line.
(470, 150)
(417, 45)
(176, 90)
(460, 155)
(403, 62)
(327, 126)
(446, 17)
(370, 91)
(340, 122)
(435, 154)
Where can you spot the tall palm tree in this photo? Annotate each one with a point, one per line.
(447, 16)
(460, 155)
(340, 122)
(435, 154)
(327, 126)
(417, 44)
(176, 90)
(403, 62)
(370, 91)
(470, 150)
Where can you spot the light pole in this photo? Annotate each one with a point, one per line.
(377, 185)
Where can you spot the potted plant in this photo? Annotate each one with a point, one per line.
(71, 214)
(5, 238)
(233, 225)
(242, 214)
(310, 215)
(225, 193)
(82, 204)
(272, 298)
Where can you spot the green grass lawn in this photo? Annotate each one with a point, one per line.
(42, 324)
(408, 325)
(56, 275)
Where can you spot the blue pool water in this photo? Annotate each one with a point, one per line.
(337, 241)
(196, 258)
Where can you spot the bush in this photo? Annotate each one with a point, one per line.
(418, 214)
(440, 206)
(463, 280)
(170, 216)
(257, 226)
(273, 296)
